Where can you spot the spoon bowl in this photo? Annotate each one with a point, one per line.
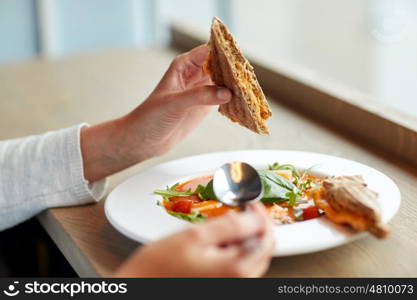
(237, 184)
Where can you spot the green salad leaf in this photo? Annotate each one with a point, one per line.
(172, 192)
(203, 192)
(277, 188)
(208, 193)
(300, 180)
(277, 167)
(193, 217)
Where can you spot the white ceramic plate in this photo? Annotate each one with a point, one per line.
(132, 208)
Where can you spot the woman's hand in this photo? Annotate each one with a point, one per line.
(181, 100)
(177, 105)
(211, 249)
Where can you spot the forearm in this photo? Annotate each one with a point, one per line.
(112, 146)
(42, 171)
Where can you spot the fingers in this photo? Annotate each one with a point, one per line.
(228, 229)
(256, 263)
(259, 209)
(232, 263)
(266, 238)
(186, 70)
(204, 95)
(196, 56)
(221, 242)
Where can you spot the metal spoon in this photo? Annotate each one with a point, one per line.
(237, 184)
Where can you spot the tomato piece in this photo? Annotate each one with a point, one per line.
(167, 204)
(310, 212)
(183, 206)
(193, 198)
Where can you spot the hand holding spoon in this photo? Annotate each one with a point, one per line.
(237, 184)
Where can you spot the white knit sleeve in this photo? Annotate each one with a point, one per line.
(38, 172)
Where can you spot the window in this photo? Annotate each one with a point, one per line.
(369, 46)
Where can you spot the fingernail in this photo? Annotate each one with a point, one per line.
(224, 94)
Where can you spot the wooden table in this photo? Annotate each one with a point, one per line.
(40, 96)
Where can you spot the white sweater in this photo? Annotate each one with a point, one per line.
(38, 172)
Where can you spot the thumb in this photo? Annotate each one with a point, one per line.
(203, 95)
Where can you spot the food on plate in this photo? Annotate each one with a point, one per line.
(289, 195)
(228, 67)
(347, 200)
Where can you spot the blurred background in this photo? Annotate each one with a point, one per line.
(367, 45)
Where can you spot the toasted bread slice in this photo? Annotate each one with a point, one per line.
(347, 200)
(228, 67)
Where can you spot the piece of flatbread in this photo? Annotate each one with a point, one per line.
(347, 200)
(228, 67)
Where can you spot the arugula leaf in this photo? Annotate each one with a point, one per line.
(200, 188)
(277, 188)
(292, 197)
(299, 178)
(271, 177)
(208, 193)
(273, 200)
(193, 217)
(305, 185)
(276, 167)
(172, 192)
